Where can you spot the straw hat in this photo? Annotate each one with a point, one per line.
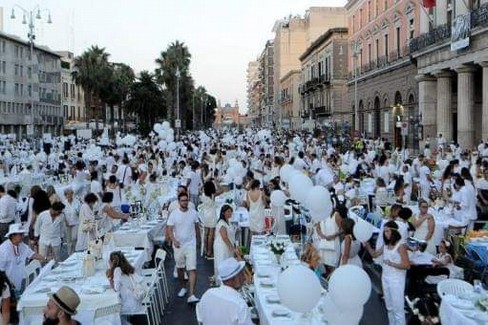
(66, 299)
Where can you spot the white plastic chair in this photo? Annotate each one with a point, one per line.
(106, 311)
(160, 258)
(453, 287)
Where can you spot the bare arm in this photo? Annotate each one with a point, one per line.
(171, 236)
(371, 251)
(347, 249)
(404, 263)
(431, 227)
(225, 238)
(5, 311)
(109, 211)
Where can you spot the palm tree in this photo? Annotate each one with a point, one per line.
(146, 101)
(91, 72)
(176, 56)
(115, 91)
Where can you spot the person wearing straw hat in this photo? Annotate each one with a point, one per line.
(61, 307)
(14, 253)
(224, 304)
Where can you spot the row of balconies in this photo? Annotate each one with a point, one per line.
(383, 61)
(313, 84)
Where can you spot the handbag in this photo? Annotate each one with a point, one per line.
(138, 288)
(327, 245)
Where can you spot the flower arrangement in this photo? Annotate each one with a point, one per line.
(278, 247)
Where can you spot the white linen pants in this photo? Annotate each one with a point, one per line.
(394, 293)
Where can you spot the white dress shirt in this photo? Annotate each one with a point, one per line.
(8, 207)
(49, 230)
(13, 261)
(223, 305)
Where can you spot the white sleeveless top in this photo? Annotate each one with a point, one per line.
(256, 214)
(394, 256)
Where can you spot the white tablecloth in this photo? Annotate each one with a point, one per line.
(450, 315)
(69, 273)
(142, 237)
(264, 262)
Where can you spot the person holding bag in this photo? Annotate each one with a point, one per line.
(126, 282)
(87, 229)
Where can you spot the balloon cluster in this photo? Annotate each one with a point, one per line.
(235, 173)
(166, 136)
(93, 153)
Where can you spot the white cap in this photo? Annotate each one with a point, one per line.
(16, 228)
(229, 268)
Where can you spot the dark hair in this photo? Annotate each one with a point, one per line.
(118, 260)
(255, 184)
(405, 214)
(90, 198)
(12, 193)
(395, 235)
(107, 197)
(184, 194)
(4, 282)
(466, 174)
(112, 179)
(2, 189)
(459, 181)
(347, 226)
(209, 188)
(41, 202)
(94, 175)
(58, 206)
(224, 208)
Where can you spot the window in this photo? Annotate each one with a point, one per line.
(21, 70)
(369, 11)
(370, 123)
(29, 72)
(376, 8)
(411, 28)
(360, 18)
(353, 24)
(385, 5)
(16, 69)
(386, 46)
(65, 108)
(73, 95)
(72, 116)
(398, 40)
(65, 89)
(21, 90)
(29, 90)
(377, 49)
(4, 46)
(387, 122)
(21, 52)
(4, 67)
(16, 89)
(17, 51)
(370, 55)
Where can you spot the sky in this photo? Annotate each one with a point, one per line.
(222, 35)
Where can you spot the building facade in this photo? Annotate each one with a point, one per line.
(290, 100)
(267, 66)
(73, 98)
(382, 84)
(293, 36)
(30, 88)
(229, 116)
(254, 92)
(324, 73)
(452, 71)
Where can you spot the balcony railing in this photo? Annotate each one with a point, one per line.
(383, 61)
(437, 35)
(479, 17)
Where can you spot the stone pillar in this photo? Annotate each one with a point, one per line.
(465, 110)
(484, 111)
(444, 104)
(427, 104)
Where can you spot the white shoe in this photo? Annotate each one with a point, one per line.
(192, 299)
(182, 293)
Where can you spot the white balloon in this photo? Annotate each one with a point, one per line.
(349, 287)
(299, 288)
(157, 127)
(300, 185)
(166, 125)
(319, 203)
(285, 171)
(170, 138)
(278, 198)
(362, 230)
(337, 316)
(162, 134)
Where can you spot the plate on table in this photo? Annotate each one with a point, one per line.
(267, 283)
(124, 228)
(262, 274)
(132, 231)
(273, 299)
(93, 291)
(43, 290)
(153, 223)
(147, 227)
(280, 312)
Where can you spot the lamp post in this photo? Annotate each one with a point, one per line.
(178, 121)
(31, 15)
(356, 51)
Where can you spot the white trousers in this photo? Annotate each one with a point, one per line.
(394, 293)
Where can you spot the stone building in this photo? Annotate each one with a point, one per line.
(293, 35)
(381, 73)
(323, 86)
(30, 88)
(290, 100)
(453, 71)
(73, 99)
(254, 92)
(267, 75)
(229, 116)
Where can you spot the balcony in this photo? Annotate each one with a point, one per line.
(437, 35)
(323, 80)
(383, 61)
(479, 17)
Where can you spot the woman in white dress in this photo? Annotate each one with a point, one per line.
(255, 200)
(328, 239)
(208, 209)
(424, 225)
(110, 218)
(122, 278)
(350, 247)
(87, 229)
(113, 187)
(225, 236)
(395, 266)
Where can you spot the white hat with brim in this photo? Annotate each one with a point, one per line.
(229, 268)
(16, 228)
(66, 299)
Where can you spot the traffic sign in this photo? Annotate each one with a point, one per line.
(404, 128)
(177, 123)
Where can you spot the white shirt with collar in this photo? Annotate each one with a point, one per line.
(13, 261)
(8, 207)
(223, 305)
(48, 230)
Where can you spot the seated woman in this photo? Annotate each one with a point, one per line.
(445, 259)
(311, 258)
(350, 246)
(122, 279)
(110, 216)
(424, 224)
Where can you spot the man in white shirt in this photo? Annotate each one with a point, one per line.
(299, 163)
(183, 230)
(49, 228)
(194, 183)
(124, 173)
(224, 304)
(8, 207)
(13, 254)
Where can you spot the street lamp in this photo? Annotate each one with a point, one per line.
(178, 121)
(31, 15)
(356, 51)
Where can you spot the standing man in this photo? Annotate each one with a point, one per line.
(8, 207)
(49, 228)
(194, 183)
(13, 255)
(183, 230)
(224, 304)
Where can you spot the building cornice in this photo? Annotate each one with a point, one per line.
(321, 40)
(18, 40)
(289, 74)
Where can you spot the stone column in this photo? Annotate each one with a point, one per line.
(444, 104)
(484, 111)
(465, 110)
(427, 104)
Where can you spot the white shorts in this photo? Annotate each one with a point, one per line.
(186, 256)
